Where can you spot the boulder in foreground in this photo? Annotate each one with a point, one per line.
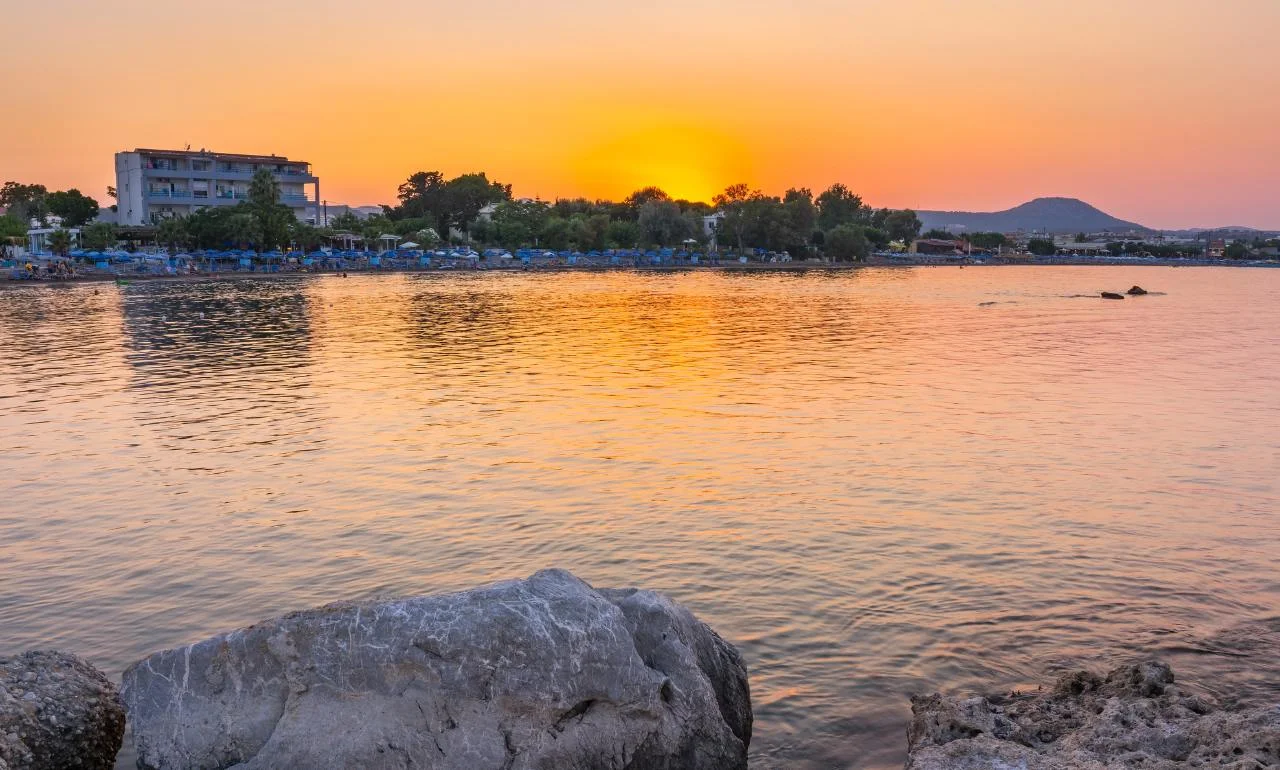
(540, 673)
(1134, 717)
(57, 712)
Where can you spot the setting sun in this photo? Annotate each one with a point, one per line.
(686, 160)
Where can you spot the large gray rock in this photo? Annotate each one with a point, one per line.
(538, 673)
(1135, 717)
(56, 711)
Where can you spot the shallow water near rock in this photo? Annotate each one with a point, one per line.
(874, 483)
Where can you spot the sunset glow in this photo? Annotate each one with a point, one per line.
(1158, 111)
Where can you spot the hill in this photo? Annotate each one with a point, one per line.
(1056, 215)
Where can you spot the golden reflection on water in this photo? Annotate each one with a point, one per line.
(874, 482)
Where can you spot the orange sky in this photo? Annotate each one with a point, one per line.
(1161, 111)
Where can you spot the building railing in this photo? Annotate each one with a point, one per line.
(169, 193)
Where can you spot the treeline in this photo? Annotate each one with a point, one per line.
(1163, 250)
(25, 202)
(473, 209)
(836, 222)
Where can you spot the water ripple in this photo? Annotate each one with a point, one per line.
(876, 483)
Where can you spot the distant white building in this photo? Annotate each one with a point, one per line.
(38, 238)
(154, 184)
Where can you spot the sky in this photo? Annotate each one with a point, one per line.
(1164, 112)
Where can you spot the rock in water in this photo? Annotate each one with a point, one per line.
(1136, 291)
(57, 712)
(540, 673)
(1111, 295)
(1135, 717)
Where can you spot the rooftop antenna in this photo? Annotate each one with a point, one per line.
(188, 146)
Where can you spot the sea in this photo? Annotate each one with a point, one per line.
(875, 482)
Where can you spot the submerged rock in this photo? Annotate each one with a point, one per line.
(540, 673)
(1134, 717)
(56, 712)
(1111, 295)
(1136, 291)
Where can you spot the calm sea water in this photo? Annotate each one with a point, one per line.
(875, 483)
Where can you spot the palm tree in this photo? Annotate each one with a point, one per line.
(60, 242)
(243, 229)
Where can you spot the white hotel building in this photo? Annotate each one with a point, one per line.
(154, 184)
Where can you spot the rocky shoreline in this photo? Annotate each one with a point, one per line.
(1135, 716)
(550, 672)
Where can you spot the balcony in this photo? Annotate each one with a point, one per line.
(169, 194)
(241, 172)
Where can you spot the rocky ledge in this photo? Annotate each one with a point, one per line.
(540, 673)
(56, 711)
(1134, 717)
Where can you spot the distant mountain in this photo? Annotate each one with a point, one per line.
(1056, 215)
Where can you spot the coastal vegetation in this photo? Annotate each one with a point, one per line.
(472, 209)
(1166, 250)
(34, 201)
(1042, 247)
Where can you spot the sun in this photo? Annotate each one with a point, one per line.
(686, 160)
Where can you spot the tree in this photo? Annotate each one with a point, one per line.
(622, 234)
(847, 243)
(73, 206)
(838, 205)
(98, 236)
(26, 201)
(272, 219)
(519, 223)
(988, 240)
(466, 195)
(241, 228)
(567, 207)
(588, 231)
(172, 232)
(484, 231)
(305, 236)
(902, 225)
(635, 201)
(662, 223)
(423, 196)
(554, 234)
(1236, 250)
(1041, 247)
(879, 239)
(12, 227)
(60, 242)
(802, 218)
(345, 222)
(938, 234)
(732, 204)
